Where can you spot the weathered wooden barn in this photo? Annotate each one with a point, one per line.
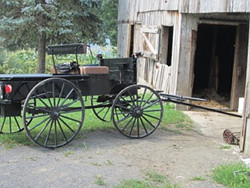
(191, 46)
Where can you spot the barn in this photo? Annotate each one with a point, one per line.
(191, 47)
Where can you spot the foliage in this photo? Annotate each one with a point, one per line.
(62, 21)
(232, 175)
(109, 16)
(33, 24)
(24, 61)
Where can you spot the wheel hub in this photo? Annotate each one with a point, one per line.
(54, 114)
(137, 112)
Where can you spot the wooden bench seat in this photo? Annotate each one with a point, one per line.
(87, 70)
(94, 70)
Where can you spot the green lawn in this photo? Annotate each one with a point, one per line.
(92, 123)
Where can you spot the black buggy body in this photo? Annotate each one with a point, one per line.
(51, 107)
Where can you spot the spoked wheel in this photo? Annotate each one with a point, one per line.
(58, 114)
(11, 124)
(137, 111)
(103, 112)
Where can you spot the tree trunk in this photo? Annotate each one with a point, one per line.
(41, 53)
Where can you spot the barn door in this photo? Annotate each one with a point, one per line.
(240, 65)
(151, 38)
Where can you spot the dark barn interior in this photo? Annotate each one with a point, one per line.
(214, 60)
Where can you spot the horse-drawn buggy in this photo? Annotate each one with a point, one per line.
(51, 107)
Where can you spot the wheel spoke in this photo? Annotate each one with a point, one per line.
(148, 121)
(59, 124)
(10, 124)
(55, 133)
(152, 116)
(71, 111)
(127, 124)
(148, 99)
(121, 113)
(44, 127)
(131, 97)
(53, 93)
(47, 137)
(3, 124)
(153, 110)
(67, 97)
(18, 125)
(155, 102)
(132, 127)
(39, 124)
(44, 103)
(60, 95)
(37, 116)
(47, 96)
(71, 119)
(38, 108)
(144, 127)
(123, 119)
(69, 104)
(144, 93)
(123, 107)
(138, 128)
(66, 125)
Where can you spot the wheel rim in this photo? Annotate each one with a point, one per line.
(137, 111)
(11, 124)
(58, 114)
(103, 112)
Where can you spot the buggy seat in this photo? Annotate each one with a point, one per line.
(94, 70)
(85, 70)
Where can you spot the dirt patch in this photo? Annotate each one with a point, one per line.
(179, 156)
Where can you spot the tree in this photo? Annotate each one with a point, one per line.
(109, 17)
(36, 23)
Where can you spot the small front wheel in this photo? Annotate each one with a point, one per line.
(58, 114)
(137, 111)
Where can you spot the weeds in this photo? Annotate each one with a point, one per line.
(99, 180)
(151, 180)
(232, 175)
(198, 178)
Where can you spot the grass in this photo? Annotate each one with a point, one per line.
(198, 178)
(99, 180)
(171, 117)
(225, 147)
(232, 175)
(68, 153)
(175, 120)
(151, 180)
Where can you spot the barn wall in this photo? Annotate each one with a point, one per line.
(155, 72)
(245, 132)
(185, 67)
(183, 6)
(184, 16)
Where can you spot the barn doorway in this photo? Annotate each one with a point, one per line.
(214, 62)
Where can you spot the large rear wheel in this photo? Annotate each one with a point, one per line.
(58, 114)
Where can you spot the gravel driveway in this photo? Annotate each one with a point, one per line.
(111, 157)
